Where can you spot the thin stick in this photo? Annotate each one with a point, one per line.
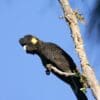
(59, 72)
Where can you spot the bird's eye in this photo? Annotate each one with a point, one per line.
(30, 44)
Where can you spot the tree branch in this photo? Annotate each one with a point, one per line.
(87, 70)
(51, 67)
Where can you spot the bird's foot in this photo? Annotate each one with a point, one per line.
(47, 72)
(48, 69)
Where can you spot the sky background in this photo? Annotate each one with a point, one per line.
(22, 76)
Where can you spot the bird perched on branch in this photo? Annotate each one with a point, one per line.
(52, 54)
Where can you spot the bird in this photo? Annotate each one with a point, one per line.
(52, 54)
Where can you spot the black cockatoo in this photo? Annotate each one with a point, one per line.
(51, 53)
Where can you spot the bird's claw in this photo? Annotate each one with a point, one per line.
(47, 72)
(48, 69)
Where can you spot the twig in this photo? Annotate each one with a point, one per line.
(51, 67)
(87, 70)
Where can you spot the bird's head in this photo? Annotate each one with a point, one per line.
(29, 43)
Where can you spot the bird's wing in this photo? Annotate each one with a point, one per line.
(58, 57)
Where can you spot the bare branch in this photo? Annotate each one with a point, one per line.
(87, 70)
(51, 67)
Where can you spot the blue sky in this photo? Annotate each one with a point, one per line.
(22, 76)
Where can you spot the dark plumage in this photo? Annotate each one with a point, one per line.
(51, 53)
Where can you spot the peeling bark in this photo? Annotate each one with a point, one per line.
(79, 47)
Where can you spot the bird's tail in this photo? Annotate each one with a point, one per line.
(78, 87)
(75, 84)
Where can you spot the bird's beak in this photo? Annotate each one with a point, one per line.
(25, 47)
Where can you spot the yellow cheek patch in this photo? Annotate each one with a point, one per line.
(34, 40)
